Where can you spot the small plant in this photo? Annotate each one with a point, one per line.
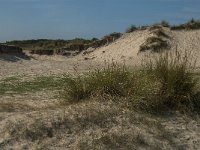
(130, 29)
(159, 25)
(77, 88)
(165, 23)
(155, 44)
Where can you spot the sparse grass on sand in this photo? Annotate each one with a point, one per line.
(167, 81)
(107, 108)
(14, 85)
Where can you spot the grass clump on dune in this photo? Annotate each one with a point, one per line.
(167, 81)
(114, 81)
(174, 71)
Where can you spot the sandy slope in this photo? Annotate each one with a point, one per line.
(127, 47)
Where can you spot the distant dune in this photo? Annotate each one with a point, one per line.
(125, 49)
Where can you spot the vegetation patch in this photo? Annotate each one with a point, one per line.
(64, 47)
(14, 85)
(42, 52)
(155, 44)
(159, 32)
(114, 81)
(190, 25)
(132, 28)
(178, 84)
(167, 82)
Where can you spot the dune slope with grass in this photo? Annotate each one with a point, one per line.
(94, 101)
(127, 48)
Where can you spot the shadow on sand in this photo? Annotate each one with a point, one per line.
(14, 57)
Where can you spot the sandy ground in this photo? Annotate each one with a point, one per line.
(35, 121)
(43, 65)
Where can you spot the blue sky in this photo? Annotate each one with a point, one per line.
(65, 19)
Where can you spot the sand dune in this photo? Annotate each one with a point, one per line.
(34, 120)
(125, 49)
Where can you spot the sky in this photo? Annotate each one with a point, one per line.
(67, 19)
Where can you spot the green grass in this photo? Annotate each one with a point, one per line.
(14, 85)
(113, 81)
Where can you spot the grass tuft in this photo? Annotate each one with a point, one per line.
(113, 80)
(174, 72)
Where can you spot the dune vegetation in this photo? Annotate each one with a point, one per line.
(56, 103)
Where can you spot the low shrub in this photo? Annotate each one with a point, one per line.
(130, 29)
